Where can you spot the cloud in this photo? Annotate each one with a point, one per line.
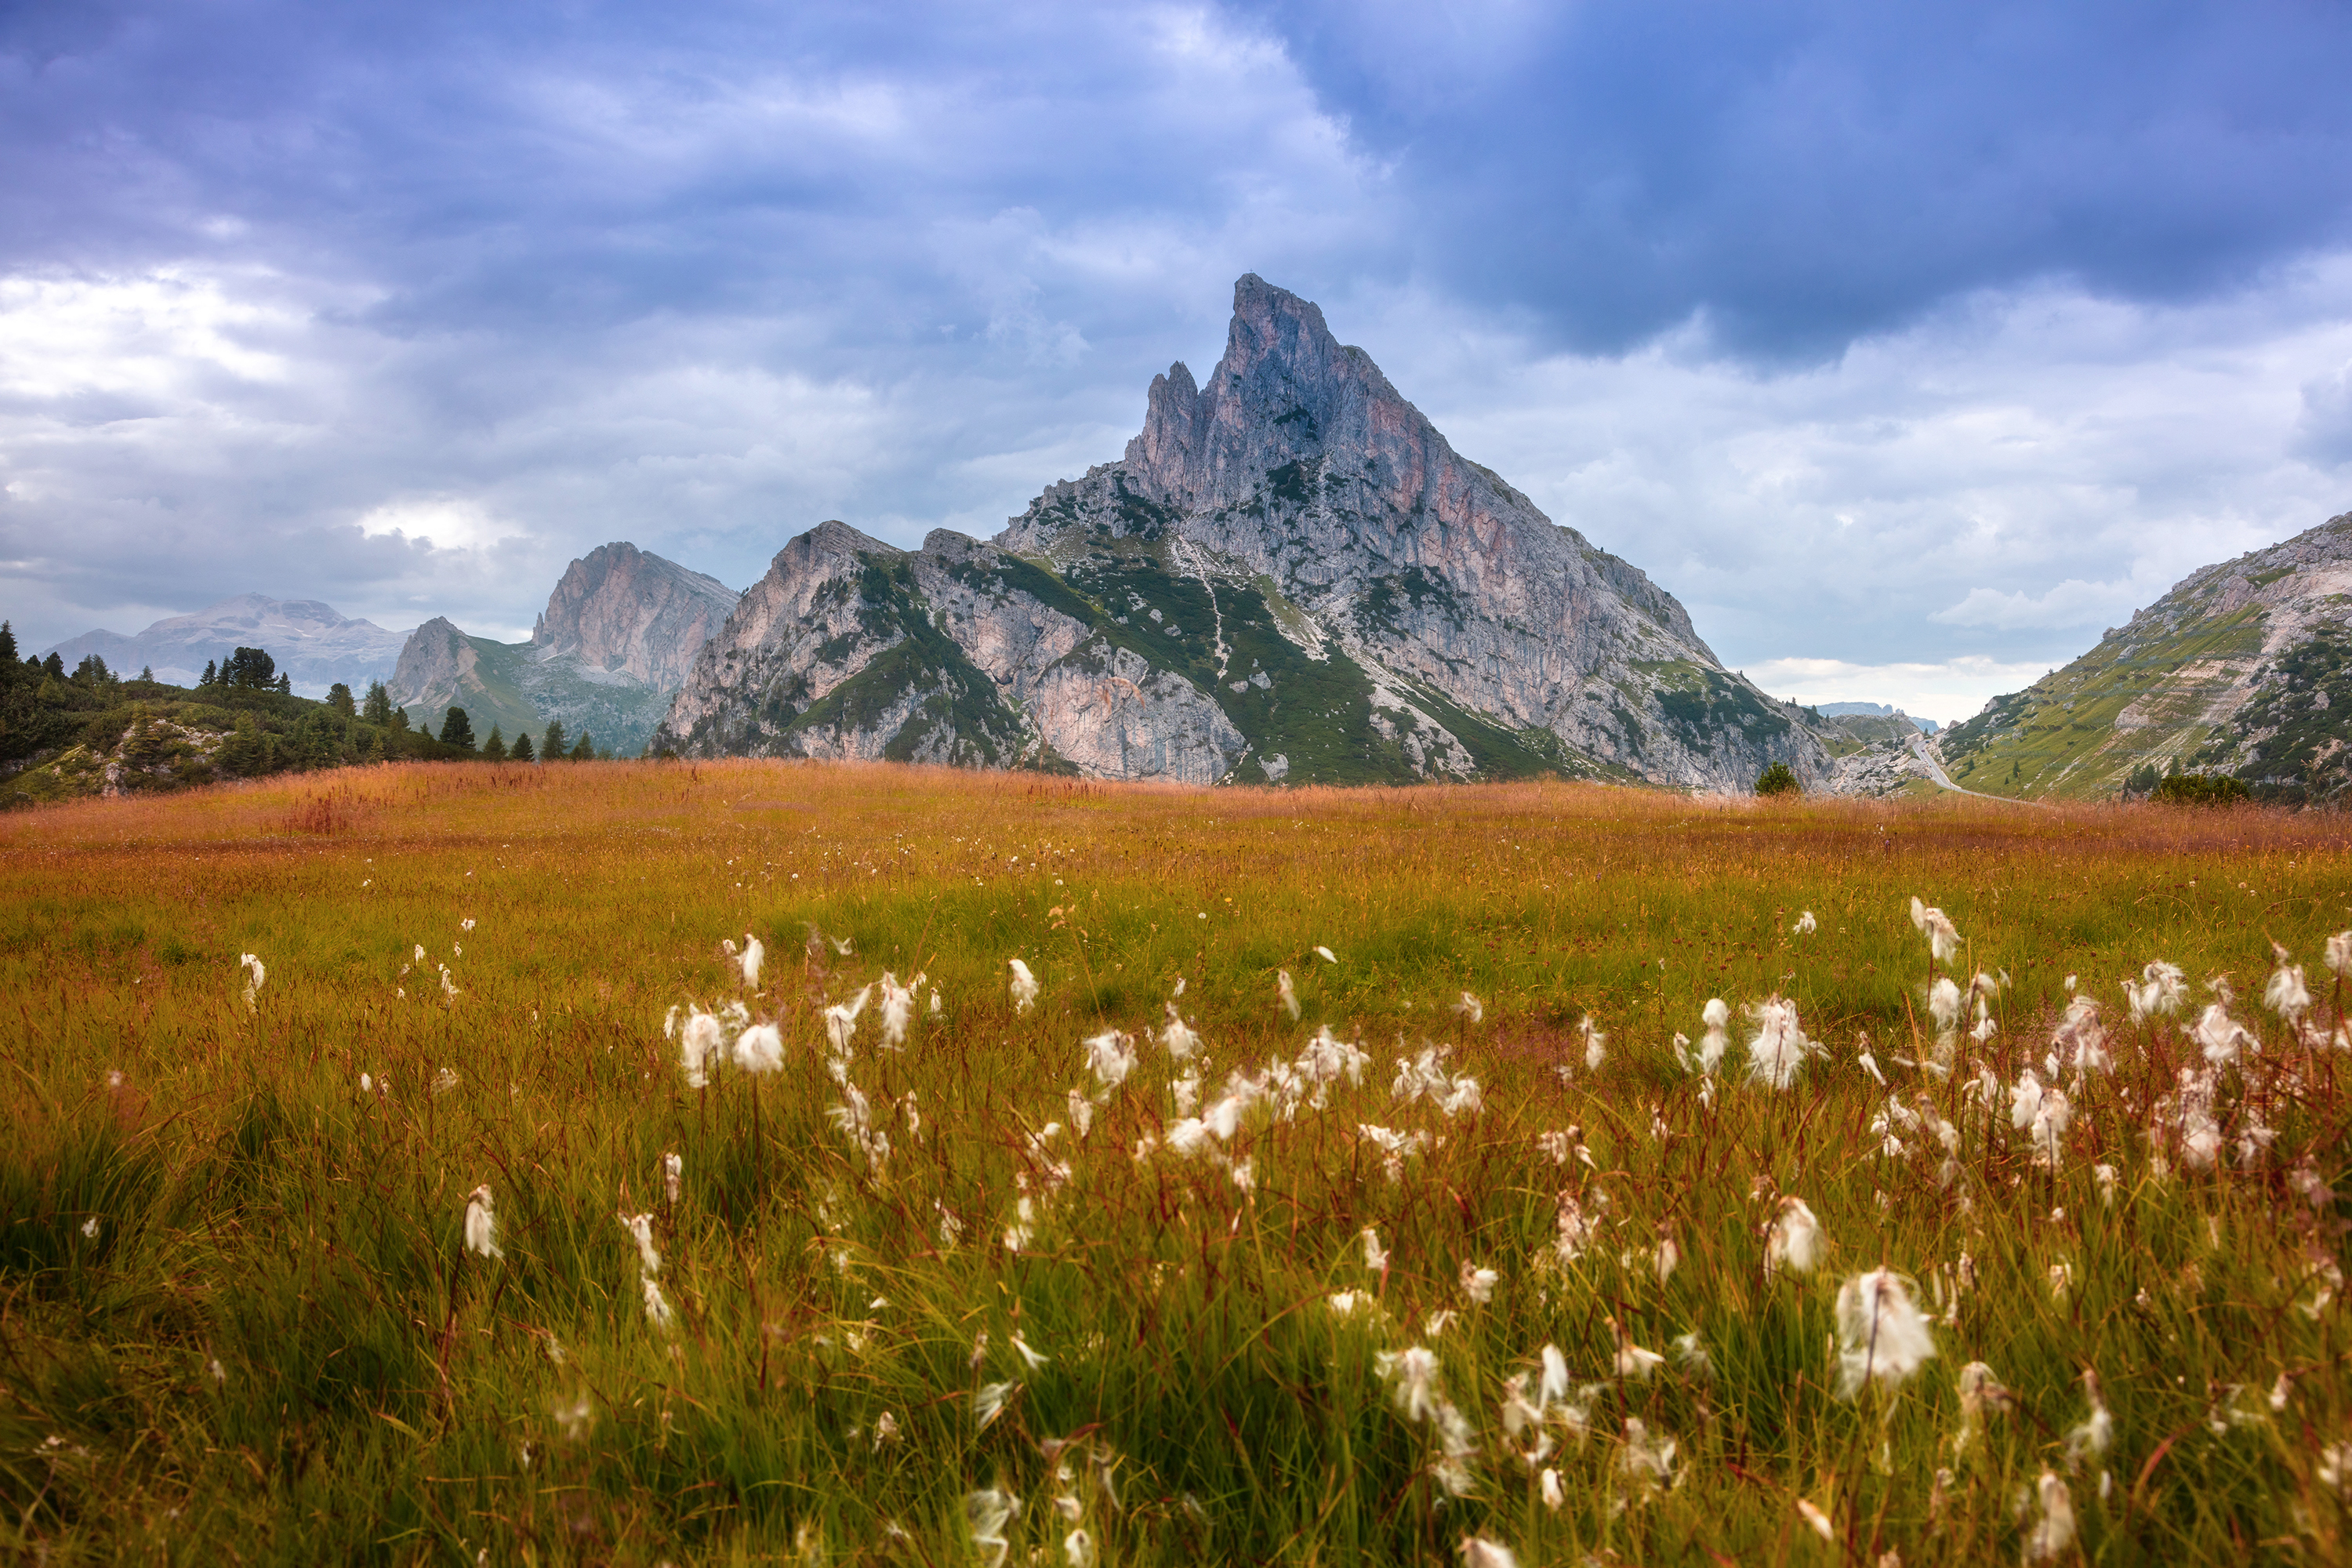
(1947, 692)
(1804, 174)
(2072, 603)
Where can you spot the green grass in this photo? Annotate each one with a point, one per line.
(383, 1396)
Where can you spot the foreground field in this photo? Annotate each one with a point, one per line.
(1036, 1286)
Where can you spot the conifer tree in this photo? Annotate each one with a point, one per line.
(494, 749)
(7, 644)
(522, 752)
(585, 751)
(339, 698)
(207, 678)
(551, 747)
(457, 730)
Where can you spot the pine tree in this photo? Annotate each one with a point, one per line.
(378, 708)
(585, 751)
(147, 673)
(207, 678)
(285, 686)
(8, 645)
(339, 698)
(522, 752)
(53, 667)
(246, 751)
(457, 730)
(494, 749)
(551, 748)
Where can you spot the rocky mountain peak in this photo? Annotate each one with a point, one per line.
(621, 610)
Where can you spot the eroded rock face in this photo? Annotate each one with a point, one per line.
(1290, 576)
(624, 612)
(615, 644)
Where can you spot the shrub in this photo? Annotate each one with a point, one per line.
(2200, 789)
(1777, 780)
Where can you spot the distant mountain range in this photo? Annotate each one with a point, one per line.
(606, 657)
(2244, 667)
(1290, 577)
(311, 643)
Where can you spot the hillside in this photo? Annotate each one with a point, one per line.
(2245, 668)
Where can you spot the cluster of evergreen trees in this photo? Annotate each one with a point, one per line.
(157, 729)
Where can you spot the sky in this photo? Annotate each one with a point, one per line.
(1908, 346)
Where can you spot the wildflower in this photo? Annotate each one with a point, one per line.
(640, 1228)
(1414, 1375)
(897, 1009)
(1344, 1302)
(1376, 1258)
(1780, 1048)
(1035, 1359)
(2162, 989)
(2339, 952)
(1477, 1551)
(1078, 1549)
(657, 1308)
(1691, 1355)
(1644, 1458)
(1943, 939)
(1555, 1496)
(754, 955)
(1980, 1390)
(986, 1513)
(1111, 1056)
(1283, 994)
(989, 1403)
(2286, 994)
(699, 1043)
(1478, 1284)
(1327, 955)
(1177, 1037)
(255, 975)
(2053, 1533)
(1596, 1045)
(1023, 988)
(1633, 1363)
(760, 1049)
(2091, 1440)
(1472, 1010)
(1082, 1113)
(90, 1229)
(1806, 925)
(1870, 1064)
(841, 1021)
(1717, 1017)
(1669, 1255)
(673, 1173)
(1817, 1519)
(1881, 1335)
(481, 1224)
(2221, 1036)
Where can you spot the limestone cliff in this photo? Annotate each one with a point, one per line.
(1291, 577)
(610, 651)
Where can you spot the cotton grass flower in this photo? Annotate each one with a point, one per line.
(640, 1228)
(753, 957)
(1412, 1376)
(1881, 1335)
(986, 1514)
(482, 1224)
(1478, 1284)
(1717, 1017)
(701, 1038)
(2162, 989)
(1813, 1515)
(1634, 1363)
(1596, 1045)
(673, 1175)
(1793, 1240)
(1024, 986)
(2092, 1440)
(898, 1007)
(2339, 952)
(1477, 1551)
(1283, 994)
(760, 1049)
(1806, 925)
(1943, 938)
(254, 975)
(988, 1402)
(1471, 1009)
(657, 1308)
(1779, 1049)
(841, 1021)
(1327, 955)
(2221, 1037)
(1177, 1037)
(2286, 994)
(1110, 1056)
(2053, 1533)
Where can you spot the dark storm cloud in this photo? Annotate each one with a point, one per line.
(1805, 174)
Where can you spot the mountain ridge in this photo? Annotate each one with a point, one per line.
(313, 643)
(1289, 577)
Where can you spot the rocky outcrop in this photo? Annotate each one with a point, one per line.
(311, 643)
(621, 611)
(2244, 667)
(1290, 576)
(605, 659)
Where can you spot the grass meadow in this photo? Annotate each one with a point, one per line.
(1006, 1296)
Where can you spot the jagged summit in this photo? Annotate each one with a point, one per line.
(1290, 575)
